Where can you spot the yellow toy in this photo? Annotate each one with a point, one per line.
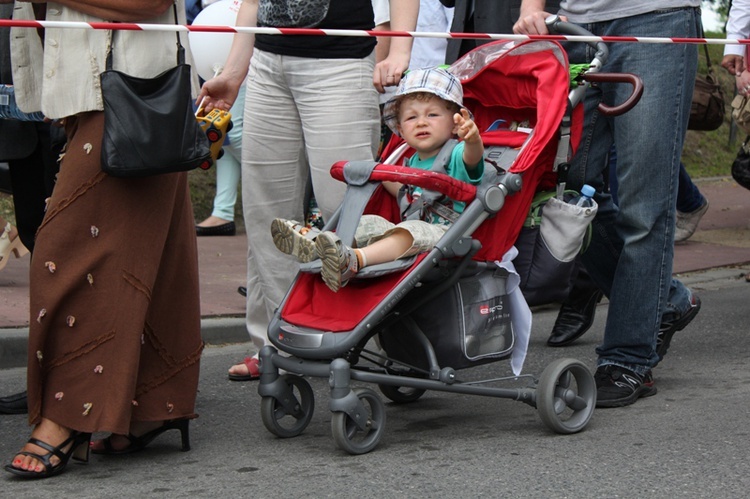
(216, 124)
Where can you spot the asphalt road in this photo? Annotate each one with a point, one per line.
(690, 440)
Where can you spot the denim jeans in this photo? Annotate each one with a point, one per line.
(689, 197)
(630, 257)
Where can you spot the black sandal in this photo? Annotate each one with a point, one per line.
(139, 443)
(78, 450)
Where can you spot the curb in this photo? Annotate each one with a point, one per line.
(215, 331)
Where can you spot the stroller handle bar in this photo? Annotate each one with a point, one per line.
(556, 25)
(618, 78)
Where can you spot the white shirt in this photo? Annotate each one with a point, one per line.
(738, 26)
(63, 80)
(425, 52)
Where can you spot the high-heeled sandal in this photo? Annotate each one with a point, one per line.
(78, 449)
(138, 443)
(7, 246)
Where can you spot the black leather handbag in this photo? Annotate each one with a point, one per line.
(149, 125)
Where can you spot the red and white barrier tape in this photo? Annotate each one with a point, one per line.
(360, 33)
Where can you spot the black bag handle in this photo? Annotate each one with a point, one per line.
(180, 48)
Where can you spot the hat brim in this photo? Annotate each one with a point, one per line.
(389, 112)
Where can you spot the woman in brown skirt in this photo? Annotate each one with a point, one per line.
(114, 340)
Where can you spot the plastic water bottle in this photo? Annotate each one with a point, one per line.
(9, 110)
(587, 192)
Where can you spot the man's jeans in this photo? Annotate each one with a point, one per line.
(689, 197)
(631, 253)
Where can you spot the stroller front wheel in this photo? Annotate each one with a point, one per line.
(566, 396)
(353, 437)
(289, 417)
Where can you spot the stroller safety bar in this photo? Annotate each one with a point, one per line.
(434, 181)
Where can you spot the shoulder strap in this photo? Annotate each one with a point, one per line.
(413, 209)
(180, 48)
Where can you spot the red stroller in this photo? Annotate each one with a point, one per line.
(453, 307)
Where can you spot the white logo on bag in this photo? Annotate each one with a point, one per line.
(486, 309)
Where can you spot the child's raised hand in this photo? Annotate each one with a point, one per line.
(467, 129)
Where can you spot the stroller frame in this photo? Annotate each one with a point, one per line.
(564, 394)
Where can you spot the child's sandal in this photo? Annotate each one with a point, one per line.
(294, 238)
(338, 261)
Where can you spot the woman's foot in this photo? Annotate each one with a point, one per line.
(246, 371)
(48, 450)
(119, 443)
(141, 434)
(213, 221)
(215, 226)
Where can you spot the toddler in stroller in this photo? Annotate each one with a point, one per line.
(427, 111)
(452, 307)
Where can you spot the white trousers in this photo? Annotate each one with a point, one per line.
(301, 116)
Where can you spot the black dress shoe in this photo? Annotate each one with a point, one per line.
(227, 229)
(14, 404)
(577, 313)
(242, 290)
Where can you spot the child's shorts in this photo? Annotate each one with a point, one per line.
(372, 228)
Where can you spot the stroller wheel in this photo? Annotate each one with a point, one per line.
(289, 417)
(566, 396)
(401, 394)
(356, 438)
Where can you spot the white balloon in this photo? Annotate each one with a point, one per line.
(210, 50)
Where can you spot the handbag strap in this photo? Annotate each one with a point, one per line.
(702, 34)
(180, 48)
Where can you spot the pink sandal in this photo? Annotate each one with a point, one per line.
(252, 368)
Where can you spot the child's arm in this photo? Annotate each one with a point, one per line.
(468, 131)
(392, 188)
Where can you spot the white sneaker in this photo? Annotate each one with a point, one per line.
(686, 223)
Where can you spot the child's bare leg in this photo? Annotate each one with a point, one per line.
(385, 250)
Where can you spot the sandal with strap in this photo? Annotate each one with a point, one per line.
(252, 364)
(78, 449)
(294, 238)
(338, 261)
(138, 443)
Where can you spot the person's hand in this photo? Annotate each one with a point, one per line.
(734, 64)
(466, 128)
(217, 93)
(531, 23)
(743, 83)
(468, 131)
(389, 71)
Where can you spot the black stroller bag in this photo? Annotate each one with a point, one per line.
(467, 325)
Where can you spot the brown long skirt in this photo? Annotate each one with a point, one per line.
(115, 322)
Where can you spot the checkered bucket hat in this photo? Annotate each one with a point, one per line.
(436, 81)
